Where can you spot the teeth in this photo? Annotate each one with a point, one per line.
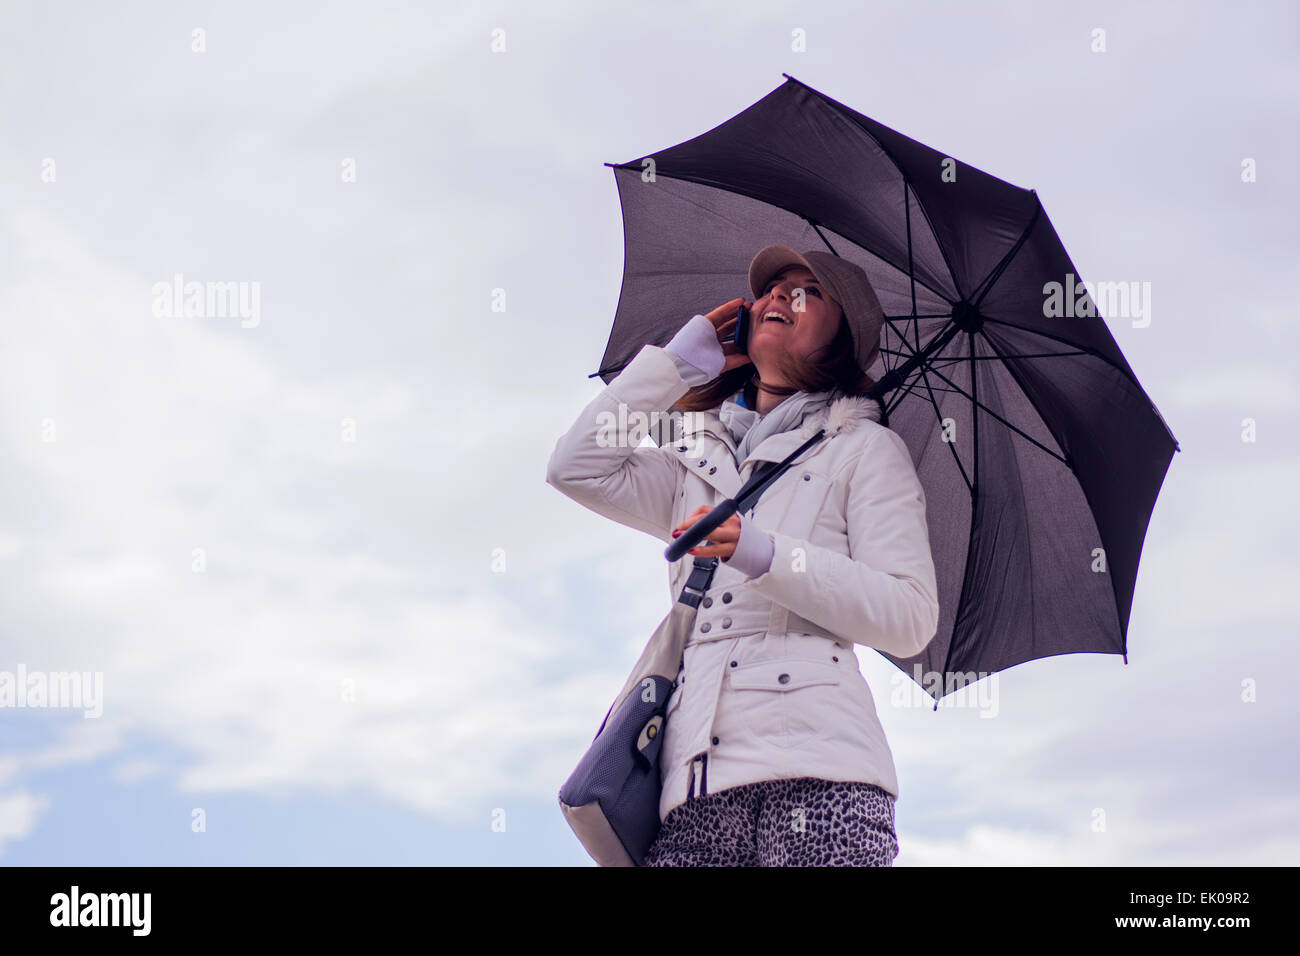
(777, 315)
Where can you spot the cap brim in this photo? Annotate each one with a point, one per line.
(771, 260)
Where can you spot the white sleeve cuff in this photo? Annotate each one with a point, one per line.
(754, 550)
(696, 351)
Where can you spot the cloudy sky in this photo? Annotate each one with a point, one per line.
(308, 545)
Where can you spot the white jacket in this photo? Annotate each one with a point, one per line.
(770, 687)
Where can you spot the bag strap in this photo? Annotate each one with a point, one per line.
(759, 481)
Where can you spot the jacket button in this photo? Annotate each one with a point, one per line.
(715, 740)
(835, 659)
(703, 463)
(726, 597)
(681, 447)
(784, 678)
(713, 469)
(807, 477)
(704, 628)
(733, 663)
(726, 622)
(708, 602)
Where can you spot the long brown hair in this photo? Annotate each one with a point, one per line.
(833, 366)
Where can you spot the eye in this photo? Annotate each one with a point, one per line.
(808, 288)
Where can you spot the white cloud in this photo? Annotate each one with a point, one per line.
(325, 564)
(1001, 846)
(1259, 387)
(19, 813)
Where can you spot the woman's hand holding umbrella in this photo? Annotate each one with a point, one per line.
(722, 540)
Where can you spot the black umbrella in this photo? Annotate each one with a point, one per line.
(1040, 454)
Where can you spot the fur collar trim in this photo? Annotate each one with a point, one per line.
(843, 415)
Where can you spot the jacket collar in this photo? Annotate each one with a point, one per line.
(841, 415)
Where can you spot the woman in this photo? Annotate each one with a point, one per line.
(773, 753)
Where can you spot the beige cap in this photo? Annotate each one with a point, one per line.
(846, 283)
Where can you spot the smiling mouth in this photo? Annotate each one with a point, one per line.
(777, 317)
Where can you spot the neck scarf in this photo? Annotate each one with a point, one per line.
(748, 428)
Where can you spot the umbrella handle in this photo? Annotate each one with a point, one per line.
(749, 493)
(700, 530)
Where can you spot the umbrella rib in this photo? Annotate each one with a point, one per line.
(902, 390)
(1097, 355)
(1001, 267)
(977, 403)
(970, 531)
(895, 400)
(916, 331)
(1083, 349)
(902, 337)
(1064, 341)
(995, 358)
(823, 236)
(911, 263)
(952, 448)
(978, 358)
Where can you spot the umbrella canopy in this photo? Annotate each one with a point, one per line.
(1040, 454)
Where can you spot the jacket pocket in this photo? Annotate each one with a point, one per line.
(786, 702)
(795, 502)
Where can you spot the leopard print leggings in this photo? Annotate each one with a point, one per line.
(801, 821)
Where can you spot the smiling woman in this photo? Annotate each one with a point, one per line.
(799, 340)
(768, 715)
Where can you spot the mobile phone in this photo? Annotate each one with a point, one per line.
(741, 337)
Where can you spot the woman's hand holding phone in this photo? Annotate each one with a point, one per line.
(724, 320)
